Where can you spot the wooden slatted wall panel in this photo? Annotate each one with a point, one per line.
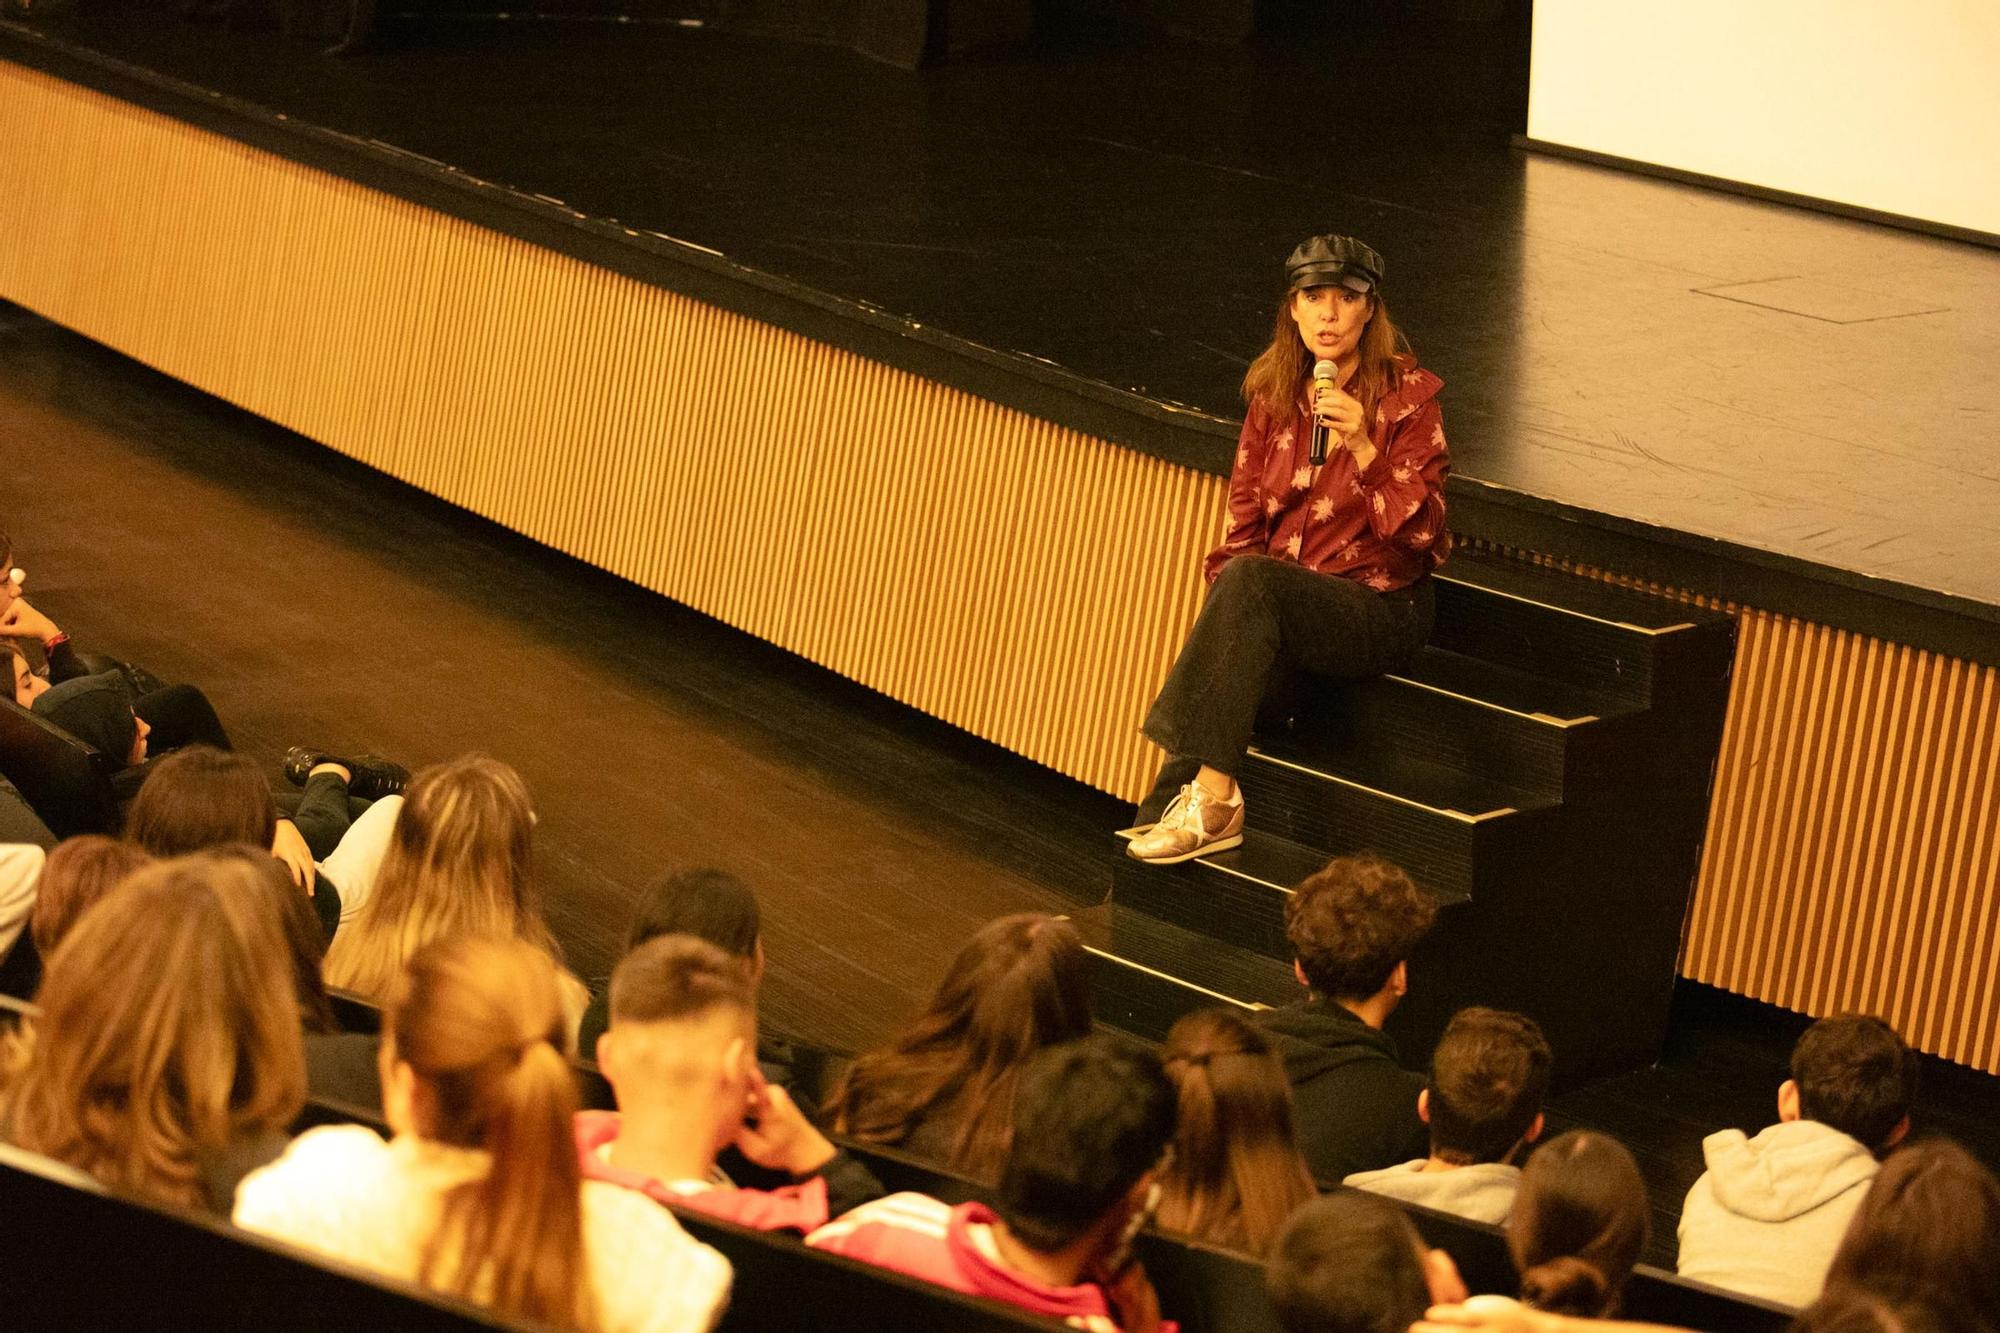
(1016, 590)
(1853, 853)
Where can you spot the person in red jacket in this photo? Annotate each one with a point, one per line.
(1325, 566)
(681, 1056)
(1093, 1119)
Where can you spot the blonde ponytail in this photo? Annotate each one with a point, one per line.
(480, 1022)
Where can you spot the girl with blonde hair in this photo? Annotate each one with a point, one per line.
(460, 861)
(167, 1060)
(1236, 1173)
(479, 1194)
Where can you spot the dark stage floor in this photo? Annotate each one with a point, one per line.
(321, 602)
(1783, 380)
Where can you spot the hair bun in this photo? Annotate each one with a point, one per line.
(1567, 1285)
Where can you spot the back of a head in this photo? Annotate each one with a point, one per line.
(1857, 1075)
(459, 862)
(677, 978)
(1489, 1073)
(1019, 985)
(1348, 1263)
(201, 797)
(168, 1030)
(305, 938)
(1846, 1310)
(1928, 1231)
(1580, 1219)
(1236, 1173)
(1353, 922)
(79, 872)
(479, 1021)
(1091, 1117)
(712, 905)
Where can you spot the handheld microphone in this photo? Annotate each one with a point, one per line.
(1324, 372)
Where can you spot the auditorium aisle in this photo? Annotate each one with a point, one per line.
(319, 602)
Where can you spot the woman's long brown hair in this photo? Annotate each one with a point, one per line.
(1019, 985)
(1236, 1173)
(460, 862)
(479, 1020)
(168, 1031)
(1927, 1232)
(1277, 379)
(1580, 1219)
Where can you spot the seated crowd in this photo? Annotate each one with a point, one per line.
(181, 972)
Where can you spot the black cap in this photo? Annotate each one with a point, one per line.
(1322, 261)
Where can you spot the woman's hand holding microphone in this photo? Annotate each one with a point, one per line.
(1341, 413)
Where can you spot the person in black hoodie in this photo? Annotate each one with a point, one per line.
(1352, 927)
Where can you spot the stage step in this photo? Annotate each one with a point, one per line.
(1541, 768)
(1146, 973)
(1237, 896)
(1598, 636)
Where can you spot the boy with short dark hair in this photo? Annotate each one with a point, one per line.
(1352, 929)
(1483, 1104)
(1348, 1263)
(1768, 1214)
(681, 1056)
(1092, 1121)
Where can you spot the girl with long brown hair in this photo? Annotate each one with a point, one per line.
(943, 1088)
(1927, 1231)
(166, 1061)
(479, 1193)
(460, 861)
(1580, 1220)
(1236, 1173)
(1336, 520)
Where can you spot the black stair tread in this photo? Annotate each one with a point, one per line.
(1271, 861)
(1575, 594)
(1187, 958)
(1402, 776)
(1508, 687)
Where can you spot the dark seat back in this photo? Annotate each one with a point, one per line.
(781, 1284)
(65, 781)
(80, 1258)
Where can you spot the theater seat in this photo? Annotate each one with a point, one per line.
(67, 782)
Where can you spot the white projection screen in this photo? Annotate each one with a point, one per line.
(1891, 105)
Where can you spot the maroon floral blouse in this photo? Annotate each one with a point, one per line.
(1384, 527)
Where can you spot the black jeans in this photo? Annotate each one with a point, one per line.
(1264, 621)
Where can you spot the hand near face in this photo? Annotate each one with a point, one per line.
(22, 621)
(776, 1134)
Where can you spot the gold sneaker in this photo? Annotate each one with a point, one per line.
(1195, 824)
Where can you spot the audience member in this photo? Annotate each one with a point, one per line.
(943, 1087)
(1235, 1174)
(78, 872)
(681, 1058)
(1579, 1224)
(712, 905)
(459, 861)
(1845, 1310)
(479, 1192)
(21, 871)
(1927, 1232)
(1483, 1104)
(1352, 1263)
(1093, 1118)
(1352, 927)
(1767, 1215)
(166, 1061)
(202, 797)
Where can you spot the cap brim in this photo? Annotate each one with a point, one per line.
(1335, 275)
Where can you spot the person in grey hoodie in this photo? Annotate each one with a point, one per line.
(1352, 927)
(1483, 1104)
(1768, 1214)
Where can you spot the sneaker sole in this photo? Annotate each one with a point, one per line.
(1219, 845)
